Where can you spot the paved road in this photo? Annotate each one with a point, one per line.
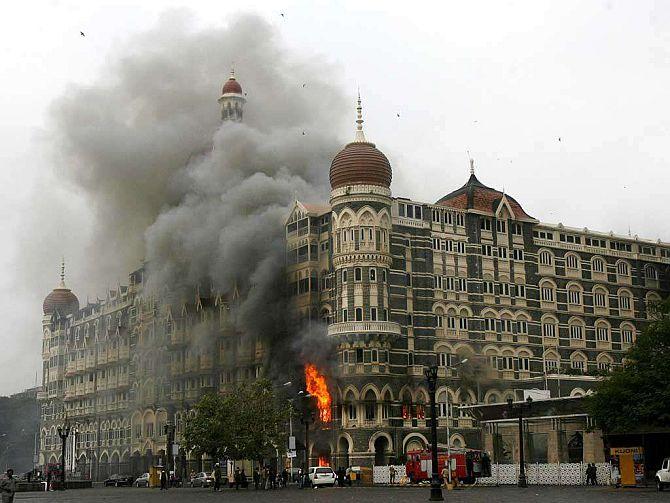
(337, 495)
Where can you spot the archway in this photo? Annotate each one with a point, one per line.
(343, 447)
(321, 454)
(381, 451)
(103, 469)
(114, 463)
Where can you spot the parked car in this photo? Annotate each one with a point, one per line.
(142, 480)
(663, 475)
(322, 476)
(117, 480)
(202, 479)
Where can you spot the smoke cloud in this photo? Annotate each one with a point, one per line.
(203, 202)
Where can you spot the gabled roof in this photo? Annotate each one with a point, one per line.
(474, 195)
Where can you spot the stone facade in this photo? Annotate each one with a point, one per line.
(498, 300)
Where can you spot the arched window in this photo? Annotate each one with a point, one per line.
(552, 362)
(578, 361)
(650, 272)
(625, 300)
(546, 258)
(575, 295)
(598, 265)
(577, 329)
(602, 331)
(463, 319)
(600, 297)
(627, 333)
(622, 268)
(547, 291)
(370, 405)
(549, 327)
(572, 261)
(604, 362)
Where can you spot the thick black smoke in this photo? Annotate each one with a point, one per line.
(203, 202)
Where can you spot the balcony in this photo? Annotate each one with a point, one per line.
(415, 370)
(359, 327)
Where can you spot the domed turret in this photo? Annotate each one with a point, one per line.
(232, 99)
(360, 162)
(61, 299)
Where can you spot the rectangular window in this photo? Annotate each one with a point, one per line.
(501, 226)
(520, 291)
(358, 274)
(463, 323)
(401, 210)
(524, 364)
(485, 224)
(459, 246)
(359, 314)
(345, 316)
(418, 212)
(438, 283)
(502, 252)
(624, 300)
(522, 327)
(373, 313)
(547, 294)
(488, 287)
(504, 289)
(410, 211)
(517, 254)
(599, 299)
(517, 229)
(460, 219)
(627, 336)
(487, 250)
(602, 334)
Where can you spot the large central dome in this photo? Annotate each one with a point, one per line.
(360, 162)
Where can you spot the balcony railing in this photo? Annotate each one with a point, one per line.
(364, 327)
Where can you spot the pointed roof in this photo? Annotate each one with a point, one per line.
(474, 195)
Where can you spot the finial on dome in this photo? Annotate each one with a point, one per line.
(472, 166)
(232, 71)
(360, 136)
(62, 273)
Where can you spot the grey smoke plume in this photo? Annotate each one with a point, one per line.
(202, 202)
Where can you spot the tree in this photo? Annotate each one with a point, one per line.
(636, 395)
(248, 423)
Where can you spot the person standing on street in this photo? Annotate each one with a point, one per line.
(217, 477)
(392, 474)
(445, 474)
(8, 487)
(164, 480)
(257, 478)
(238, 477)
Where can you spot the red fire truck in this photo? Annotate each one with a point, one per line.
(470, 464)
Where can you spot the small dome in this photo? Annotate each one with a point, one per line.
(231, 86)
(61, 300)
(360, 163)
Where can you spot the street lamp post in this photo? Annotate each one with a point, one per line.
(306, 420)
(63, 433)
(519, 408)
(169, 432)
(464, 360)
(435, 488)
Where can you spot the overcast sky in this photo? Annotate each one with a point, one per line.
(502, 79)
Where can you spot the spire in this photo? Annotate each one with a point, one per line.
(62, 273)
(232, 72)
(360, 136)
(472, 166)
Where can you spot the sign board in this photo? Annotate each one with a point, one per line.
(290, 454)
(291, 443)
(536, 394)
(175, 449)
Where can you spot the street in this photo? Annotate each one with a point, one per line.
(545, 494)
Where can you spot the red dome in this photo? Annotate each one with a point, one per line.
(231, 86)
(360, 163)
(61, 299)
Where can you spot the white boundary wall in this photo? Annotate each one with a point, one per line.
(566, 474)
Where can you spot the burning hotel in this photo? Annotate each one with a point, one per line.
(498, 300)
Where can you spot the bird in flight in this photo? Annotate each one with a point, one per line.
(82, 34)
(559, 138)
(304, 85)
(303, 133)
(282, 14)
(398, 115)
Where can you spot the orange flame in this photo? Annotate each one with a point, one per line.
(317, 387)
(324, 461)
